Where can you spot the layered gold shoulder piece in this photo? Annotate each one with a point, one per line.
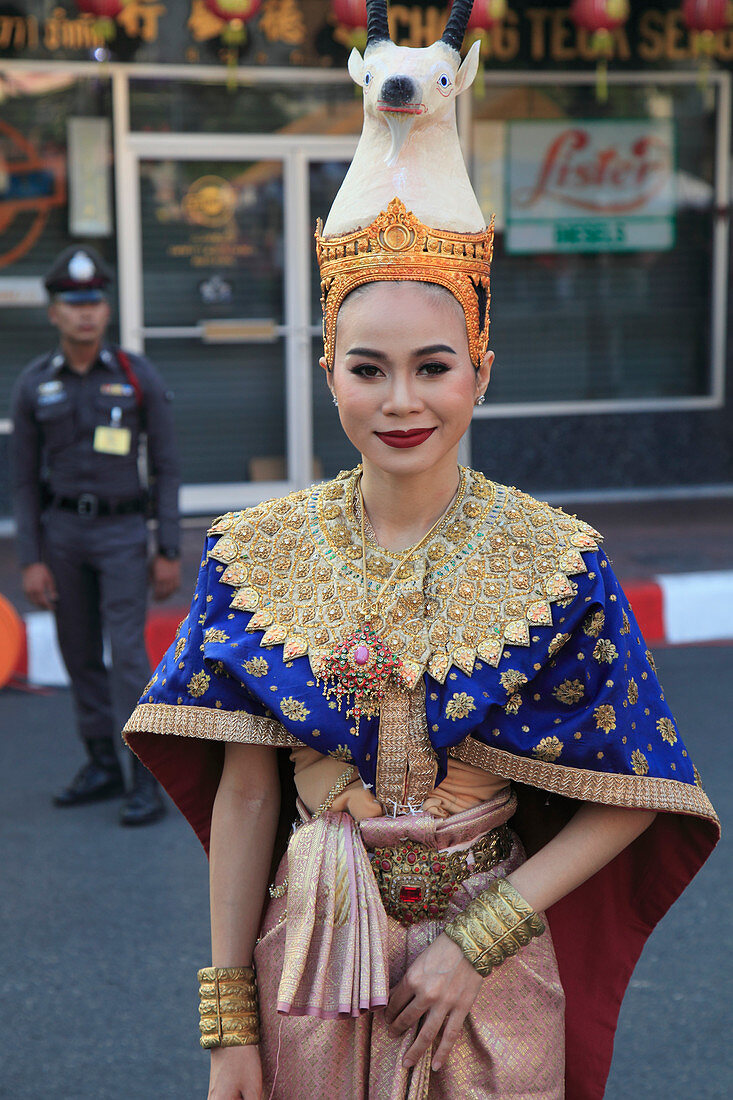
(397, 246)
(490, 573)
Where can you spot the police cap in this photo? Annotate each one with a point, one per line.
(78, 274)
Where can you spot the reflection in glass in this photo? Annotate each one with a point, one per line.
(212, 238)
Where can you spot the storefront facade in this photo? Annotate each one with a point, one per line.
(197, 161)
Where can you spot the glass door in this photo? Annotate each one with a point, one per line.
(220, 289)
(212, 234)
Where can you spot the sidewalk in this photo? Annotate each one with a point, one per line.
(674, 558)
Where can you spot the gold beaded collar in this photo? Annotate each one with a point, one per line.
(489, 573)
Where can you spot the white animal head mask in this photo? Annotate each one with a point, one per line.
(409, 145)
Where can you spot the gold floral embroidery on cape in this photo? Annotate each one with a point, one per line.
(198, 684)
(512, 679)
(549, 748)
(667, 730)
(639, 762)
(459, 706)
(258, 666)
(569, 692)
(294, 709)
(605, 650)
(490, 573)
(605, 717)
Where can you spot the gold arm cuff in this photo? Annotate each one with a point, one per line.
(494, 926)
(228, 1009)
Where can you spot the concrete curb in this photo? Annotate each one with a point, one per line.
(674, 609)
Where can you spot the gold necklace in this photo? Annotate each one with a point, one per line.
(362, 665)
(406, 555)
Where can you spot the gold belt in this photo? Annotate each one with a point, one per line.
(416, 882)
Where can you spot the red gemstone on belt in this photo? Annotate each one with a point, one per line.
(411, 894)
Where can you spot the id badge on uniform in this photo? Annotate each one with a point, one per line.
(112, 439)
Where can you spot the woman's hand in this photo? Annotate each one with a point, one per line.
(236, 1074)
(440, 987)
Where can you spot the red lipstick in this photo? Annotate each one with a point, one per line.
(406, 439)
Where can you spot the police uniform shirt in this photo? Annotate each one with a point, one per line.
(56, 412)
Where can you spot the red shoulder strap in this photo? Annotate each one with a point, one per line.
(124, 361)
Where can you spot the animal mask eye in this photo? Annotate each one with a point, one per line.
(367, 79)
(444, 84)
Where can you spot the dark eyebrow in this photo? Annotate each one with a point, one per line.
(433, 348)
(370, 353)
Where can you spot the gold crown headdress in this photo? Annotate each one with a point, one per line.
(409, 117)
(398, 247)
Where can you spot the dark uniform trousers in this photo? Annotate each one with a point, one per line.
(100, 567)
(79, 507)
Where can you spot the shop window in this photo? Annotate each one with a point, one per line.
(605, 255)
(47, 199)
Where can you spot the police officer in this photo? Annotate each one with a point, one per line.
(78, 415)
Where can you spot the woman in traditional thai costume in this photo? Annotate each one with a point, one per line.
(495, 804)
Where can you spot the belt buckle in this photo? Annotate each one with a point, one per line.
(87, 504)
(413, 882)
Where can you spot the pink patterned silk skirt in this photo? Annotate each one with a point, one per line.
(329, 1038)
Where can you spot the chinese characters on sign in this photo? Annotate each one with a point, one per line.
(576, 186)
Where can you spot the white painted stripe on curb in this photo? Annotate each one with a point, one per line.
(45, 666)
(698, 607)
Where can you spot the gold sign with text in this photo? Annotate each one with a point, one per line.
(535, 34)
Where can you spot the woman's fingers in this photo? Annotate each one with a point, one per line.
(425, 1037)
(400, 996)
(410, 1016)
(451, 1030)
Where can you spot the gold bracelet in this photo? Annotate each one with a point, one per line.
(494, 926)
(228, 1011)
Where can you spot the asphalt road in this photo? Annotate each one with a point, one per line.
(104, 929)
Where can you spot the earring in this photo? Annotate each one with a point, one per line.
(480, 399)
(334, 398)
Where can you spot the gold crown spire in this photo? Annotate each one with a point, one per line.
(398, 247)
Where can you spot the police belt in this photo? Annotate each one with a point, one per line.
(89, 504)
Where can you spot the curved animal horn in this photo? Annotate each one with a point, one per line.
(377, 25)
(455, 28)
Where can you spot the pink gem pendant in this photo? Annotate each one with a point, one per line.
(362, 666)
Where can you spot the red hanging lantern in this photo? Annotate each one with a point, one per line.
(234, 11)
(703, 18)
(351, 23)
(600, 18)
(103, 9)
(235, 15)
(351, 17)
(485, 14)
(105, 13)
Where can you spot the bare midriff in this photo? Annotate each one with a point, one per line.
(463, 787)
